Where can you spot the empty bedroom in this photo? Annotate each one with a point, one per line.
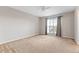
(39, 29)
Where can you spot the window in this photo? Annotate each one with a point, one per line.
(51, 26)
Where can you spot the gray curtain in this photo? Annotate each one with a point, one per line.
(58, 33)
(45, 26)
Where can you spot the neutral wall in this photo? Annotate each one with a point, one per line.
(76, 25)
(16, 25)
(67, 25)
(42, 25)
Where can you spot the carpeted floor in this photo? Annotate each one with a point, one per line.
(44, 44)
(6, 49)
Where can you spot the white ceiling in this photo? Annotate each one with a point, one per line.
(36, 10)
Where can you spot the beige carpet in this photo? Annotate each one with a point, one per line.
(44, 44)
(6, 49)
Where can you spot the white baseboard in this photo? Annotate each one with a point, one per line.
(18, 38)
